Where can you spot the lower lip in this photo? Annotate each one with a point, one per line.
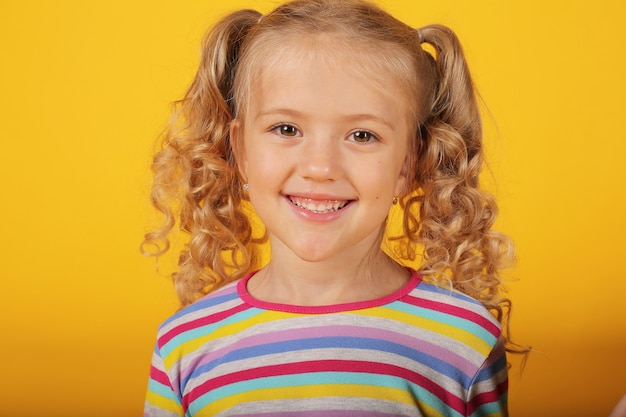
(318, 217)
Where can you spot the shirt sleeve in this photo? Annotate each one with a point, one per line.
(488, 394)
(161, 399)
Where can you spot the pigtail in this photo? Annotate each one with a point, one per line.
(455, 216)
(195, 174)
(455, 101)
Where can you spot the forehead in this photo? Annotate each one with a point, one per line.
(388, 72)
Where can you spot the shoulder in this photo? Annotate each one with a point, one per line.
(209, 310)
(454, 304)
(453, 316)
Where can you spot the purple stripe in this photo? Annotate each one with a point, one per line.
(420, 345)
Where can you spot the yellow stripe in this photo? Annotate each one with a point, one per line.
(317, 391)
(460, 335)
(164, 403)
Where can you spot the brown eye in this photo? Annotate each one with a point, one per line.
(287, 130)
(363, 136)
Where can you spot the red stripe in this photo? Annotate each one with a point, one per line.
(326, 366)
(202, 321)
(455, 311)
(487, 397)
(159, 376)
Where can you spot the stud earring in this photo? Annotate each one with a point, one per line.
(246, 186)
(394, 201)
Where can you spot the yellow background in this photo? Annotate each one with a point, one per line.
(85, 89)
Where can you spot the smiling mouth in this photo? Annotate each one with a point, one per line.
(326, 206)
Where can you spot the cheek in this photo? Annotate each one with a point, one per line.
(264, 169)
(389, 178)
(253, 158)
(262, 165)
(379, 180)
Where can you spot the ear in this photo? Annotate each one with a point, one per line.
(403, 182)
(401, 186)
(238, 147)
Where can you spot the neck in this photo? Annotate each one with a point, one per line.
(351, 277)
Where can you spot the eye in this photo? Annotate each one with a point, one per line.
(363, 136)
(286, 130)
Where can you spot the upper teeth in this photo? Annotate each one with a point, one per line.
(319, 207)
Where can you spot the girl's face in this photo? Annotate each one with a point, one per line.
(323, 149)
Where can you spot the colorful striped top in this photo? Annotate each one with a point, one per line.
(422, 351)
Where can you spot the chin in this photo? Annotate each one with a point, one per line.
(314, 256)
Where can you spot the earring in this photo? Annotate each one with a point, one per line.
(394, 201)
(246, 186)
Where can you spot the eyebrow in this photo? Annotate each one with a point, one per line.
(279, 111)
(350, 118)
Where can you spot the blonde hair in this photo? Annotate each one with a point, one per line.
(445, 212)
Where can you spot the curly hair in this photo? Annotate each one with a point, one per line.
(446, 215)
(195, 175)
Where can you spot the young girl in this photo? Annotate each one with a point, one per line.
(324, 114)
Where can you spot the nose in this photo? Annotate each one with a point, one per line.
(320, 159)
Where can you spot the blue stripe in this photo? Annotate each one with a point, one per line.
(485, 374)
(360, 343)
(427, 287)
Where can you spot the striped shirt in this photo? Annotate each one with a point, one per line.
(422, 351)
